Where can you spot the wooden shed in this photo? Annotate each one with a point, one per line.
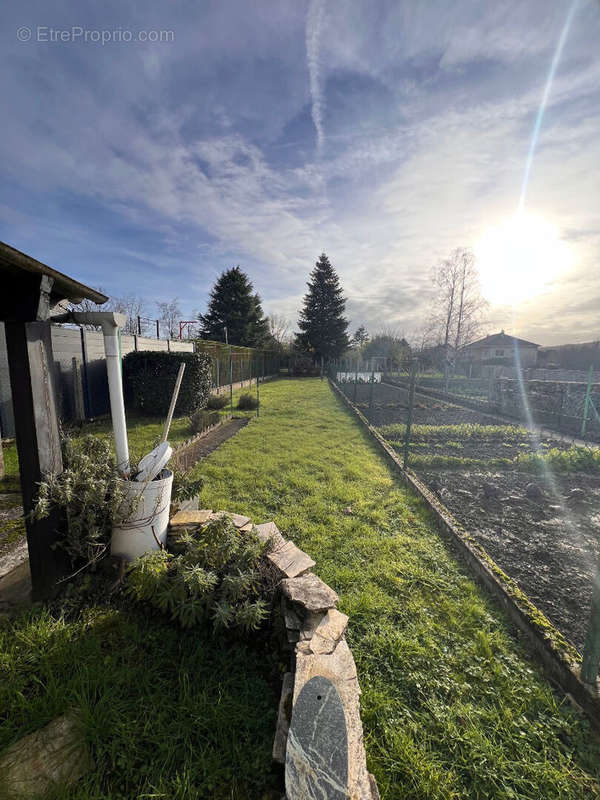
(32, 293)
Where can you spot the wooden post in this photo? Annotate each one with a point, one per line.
(31, 365)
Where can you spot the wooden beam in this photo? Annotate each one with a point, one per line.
(31, 366)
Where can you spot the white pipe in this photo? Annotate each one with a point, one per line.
(110, 323)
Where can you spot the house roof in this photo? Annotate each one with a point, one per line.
(14, 264)
(496, 339)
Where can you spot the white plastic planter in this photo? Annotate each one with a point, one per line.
(146, 527)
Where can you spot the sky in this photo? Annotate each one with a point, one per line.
(261, 134)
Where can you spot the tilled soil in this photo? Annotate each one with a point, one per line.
(548, 544)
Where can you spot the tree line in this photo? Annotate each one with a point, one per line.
(235, 315)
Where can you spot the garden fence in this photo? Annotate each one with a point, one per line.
(529, 496)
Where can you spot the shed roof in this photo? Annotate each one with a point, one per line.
(14, 264)
(495, 339)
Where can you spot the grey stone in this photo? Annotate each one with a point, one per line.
(312, 620)
(290, 560)
(291, 619)
(329, 632)
(239, 520)
(316, 762)
(283, 718)
(268, 531)
(374, 788)
(340, 669)
(55, 755)
(310, 592)
(575, 497)
(533, 492)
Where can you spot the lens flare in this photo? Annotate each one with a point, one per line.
(519, 258)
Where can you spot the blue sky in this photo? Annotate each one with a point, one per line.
(385, 133)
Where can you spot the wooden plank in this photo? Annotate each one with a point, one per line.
(29, 347)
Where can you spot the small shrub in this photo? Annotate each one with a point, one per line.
(247, 402)
(215, 575)
(92, 494)
(200, 420)
(149, 379)
(217, 401)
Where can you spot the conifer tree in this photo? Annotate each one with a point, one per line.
(234, 305)
(322, 323)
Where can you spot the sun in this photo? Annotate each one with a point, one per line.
(519, 258)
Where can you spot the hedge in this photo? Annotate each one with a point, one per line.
(149, 379)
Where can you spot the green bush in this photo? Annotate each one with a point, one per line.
(247, 402)
(149, 379)
(201, 419)
(216, 575)
(217, 401)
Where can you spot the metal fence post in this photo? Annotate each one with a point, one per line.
(591, 650)
(355, 380)
(231, 380)
(257, 390)
(372, 388)
(409, 416)
(586, 402)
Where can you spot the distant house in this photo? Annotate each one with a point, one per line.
(498, 349)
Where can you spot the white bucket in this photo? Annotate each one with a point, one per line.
(147, 524)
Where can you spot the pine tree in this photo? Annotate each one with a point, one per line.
(322, 323)
(234, 305)
(360, 338)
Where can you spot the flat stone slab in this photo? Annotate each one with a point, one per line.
(316, 761)
(187, 519)
(340, 669)
(329, 632)
(239, 520)
(269, 531)
(283, 718)
(290, 560)
(54, 755)
(309, 591)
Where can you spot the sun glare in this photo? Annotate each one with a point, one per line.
(519, 258)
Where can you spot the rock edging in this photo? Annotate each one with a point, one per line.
(315, 637)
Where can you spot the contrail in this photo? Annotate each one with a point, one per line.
(540, 115)
(314, 20)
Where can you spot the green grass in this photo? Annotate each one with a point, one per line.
(452, 707)
(167, 713)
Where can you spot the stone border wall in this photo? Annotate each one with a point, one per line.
(314, 636)
(559, 659)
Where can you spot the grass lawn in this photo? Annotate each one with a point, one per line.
(451, 705)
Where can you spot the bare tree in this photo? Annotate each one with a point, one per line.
(279, 328)
(170, 314)
(459, 303)
(86, 306)
(133, 307)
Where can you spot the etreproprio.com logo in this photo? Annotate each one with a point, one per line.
(77, 33)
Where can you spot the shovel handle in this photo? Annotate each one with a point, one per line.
(173, 402)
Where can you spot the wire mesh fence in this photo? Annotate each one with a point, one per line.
(530, 496)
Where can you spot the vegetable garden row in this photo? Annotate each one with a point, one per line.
(531, 499)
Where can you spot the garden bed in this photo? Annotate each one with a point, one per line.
(548, 545)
